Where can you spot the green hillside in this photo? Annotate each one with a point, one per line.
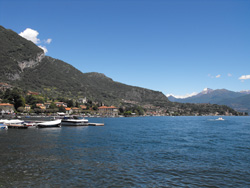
(24, 65)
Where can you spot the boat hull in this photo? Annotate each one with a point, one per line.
(17, 126)
(74, 123)
(48, 126)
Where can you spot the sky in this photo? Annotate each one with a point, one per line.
(178, 47)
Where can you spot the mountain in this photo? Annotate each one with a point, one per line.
(241, 104)
(236, 100)
(25, 65)
(245, 92)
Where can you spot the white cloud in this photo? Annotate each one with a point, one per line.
(211, 76)
(182, 96)
(229, 75)
(48, 41)
(44, 49)
(244, 77)
(31, 35)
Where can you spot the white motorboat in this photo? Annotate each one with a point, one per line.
(220, 119)
(49, 124)
(74, 121)
(15, 124)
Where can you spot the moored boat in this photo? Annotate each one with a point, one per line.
(3, 126)
(74, 121)
(49, 124)
(15, 124)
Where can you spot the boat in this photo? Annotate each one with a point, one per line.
(220, 119)
(49, 124)
(15, 124)
(3, 126)
(74, 121)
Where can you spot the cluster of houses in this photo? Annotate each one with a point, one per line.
(7, 108)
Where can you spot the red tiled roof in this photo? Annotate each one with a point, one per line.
(105, 107)
(83, 106)
(6, 104)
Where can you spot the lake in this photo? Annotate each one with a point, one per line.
(130, 152)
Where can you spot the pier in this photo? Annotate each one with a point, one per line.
(95, 124)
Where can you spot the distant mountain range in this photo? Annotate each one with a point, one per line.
(239, 101)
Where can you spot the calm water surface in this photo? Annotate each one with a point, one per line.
(130, 152)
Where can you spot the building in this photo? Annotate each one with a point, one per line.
(68, 111)
(58, 104)
(82, 100)
(76, 110)
(47, 104)
(83, 107)
(27, 108)
(111, 111)
(6, 108)
(41, 106)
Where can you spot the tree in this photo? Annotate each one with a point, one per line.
(62, 109)
(121, 110)
(95, 107)
(127, 113)
(20, 109)
(15, 97)
(52, 106)
(70, 103)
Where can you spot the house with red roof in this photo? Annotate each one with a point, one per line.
(41, 106)
(6, 108)
(69, 111)
(76, 110)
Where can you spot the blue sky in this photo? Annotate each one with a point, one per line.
(172, 46)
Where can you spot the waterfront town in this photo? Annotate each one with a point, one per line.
(18, 102)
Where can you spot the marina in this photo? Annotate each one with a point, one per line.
(46, 122)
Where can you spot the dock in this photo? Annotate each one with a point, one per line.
(95, 124)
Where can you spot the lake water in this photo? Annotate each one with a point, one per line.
(130, 152)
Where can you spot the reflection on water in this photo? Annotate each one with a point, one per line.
(129, 152)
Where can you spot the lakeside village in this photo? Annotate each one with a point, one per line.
(15, 102)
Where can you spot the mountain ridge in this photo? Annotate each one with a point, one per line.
(25, 65)
(235, 100)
